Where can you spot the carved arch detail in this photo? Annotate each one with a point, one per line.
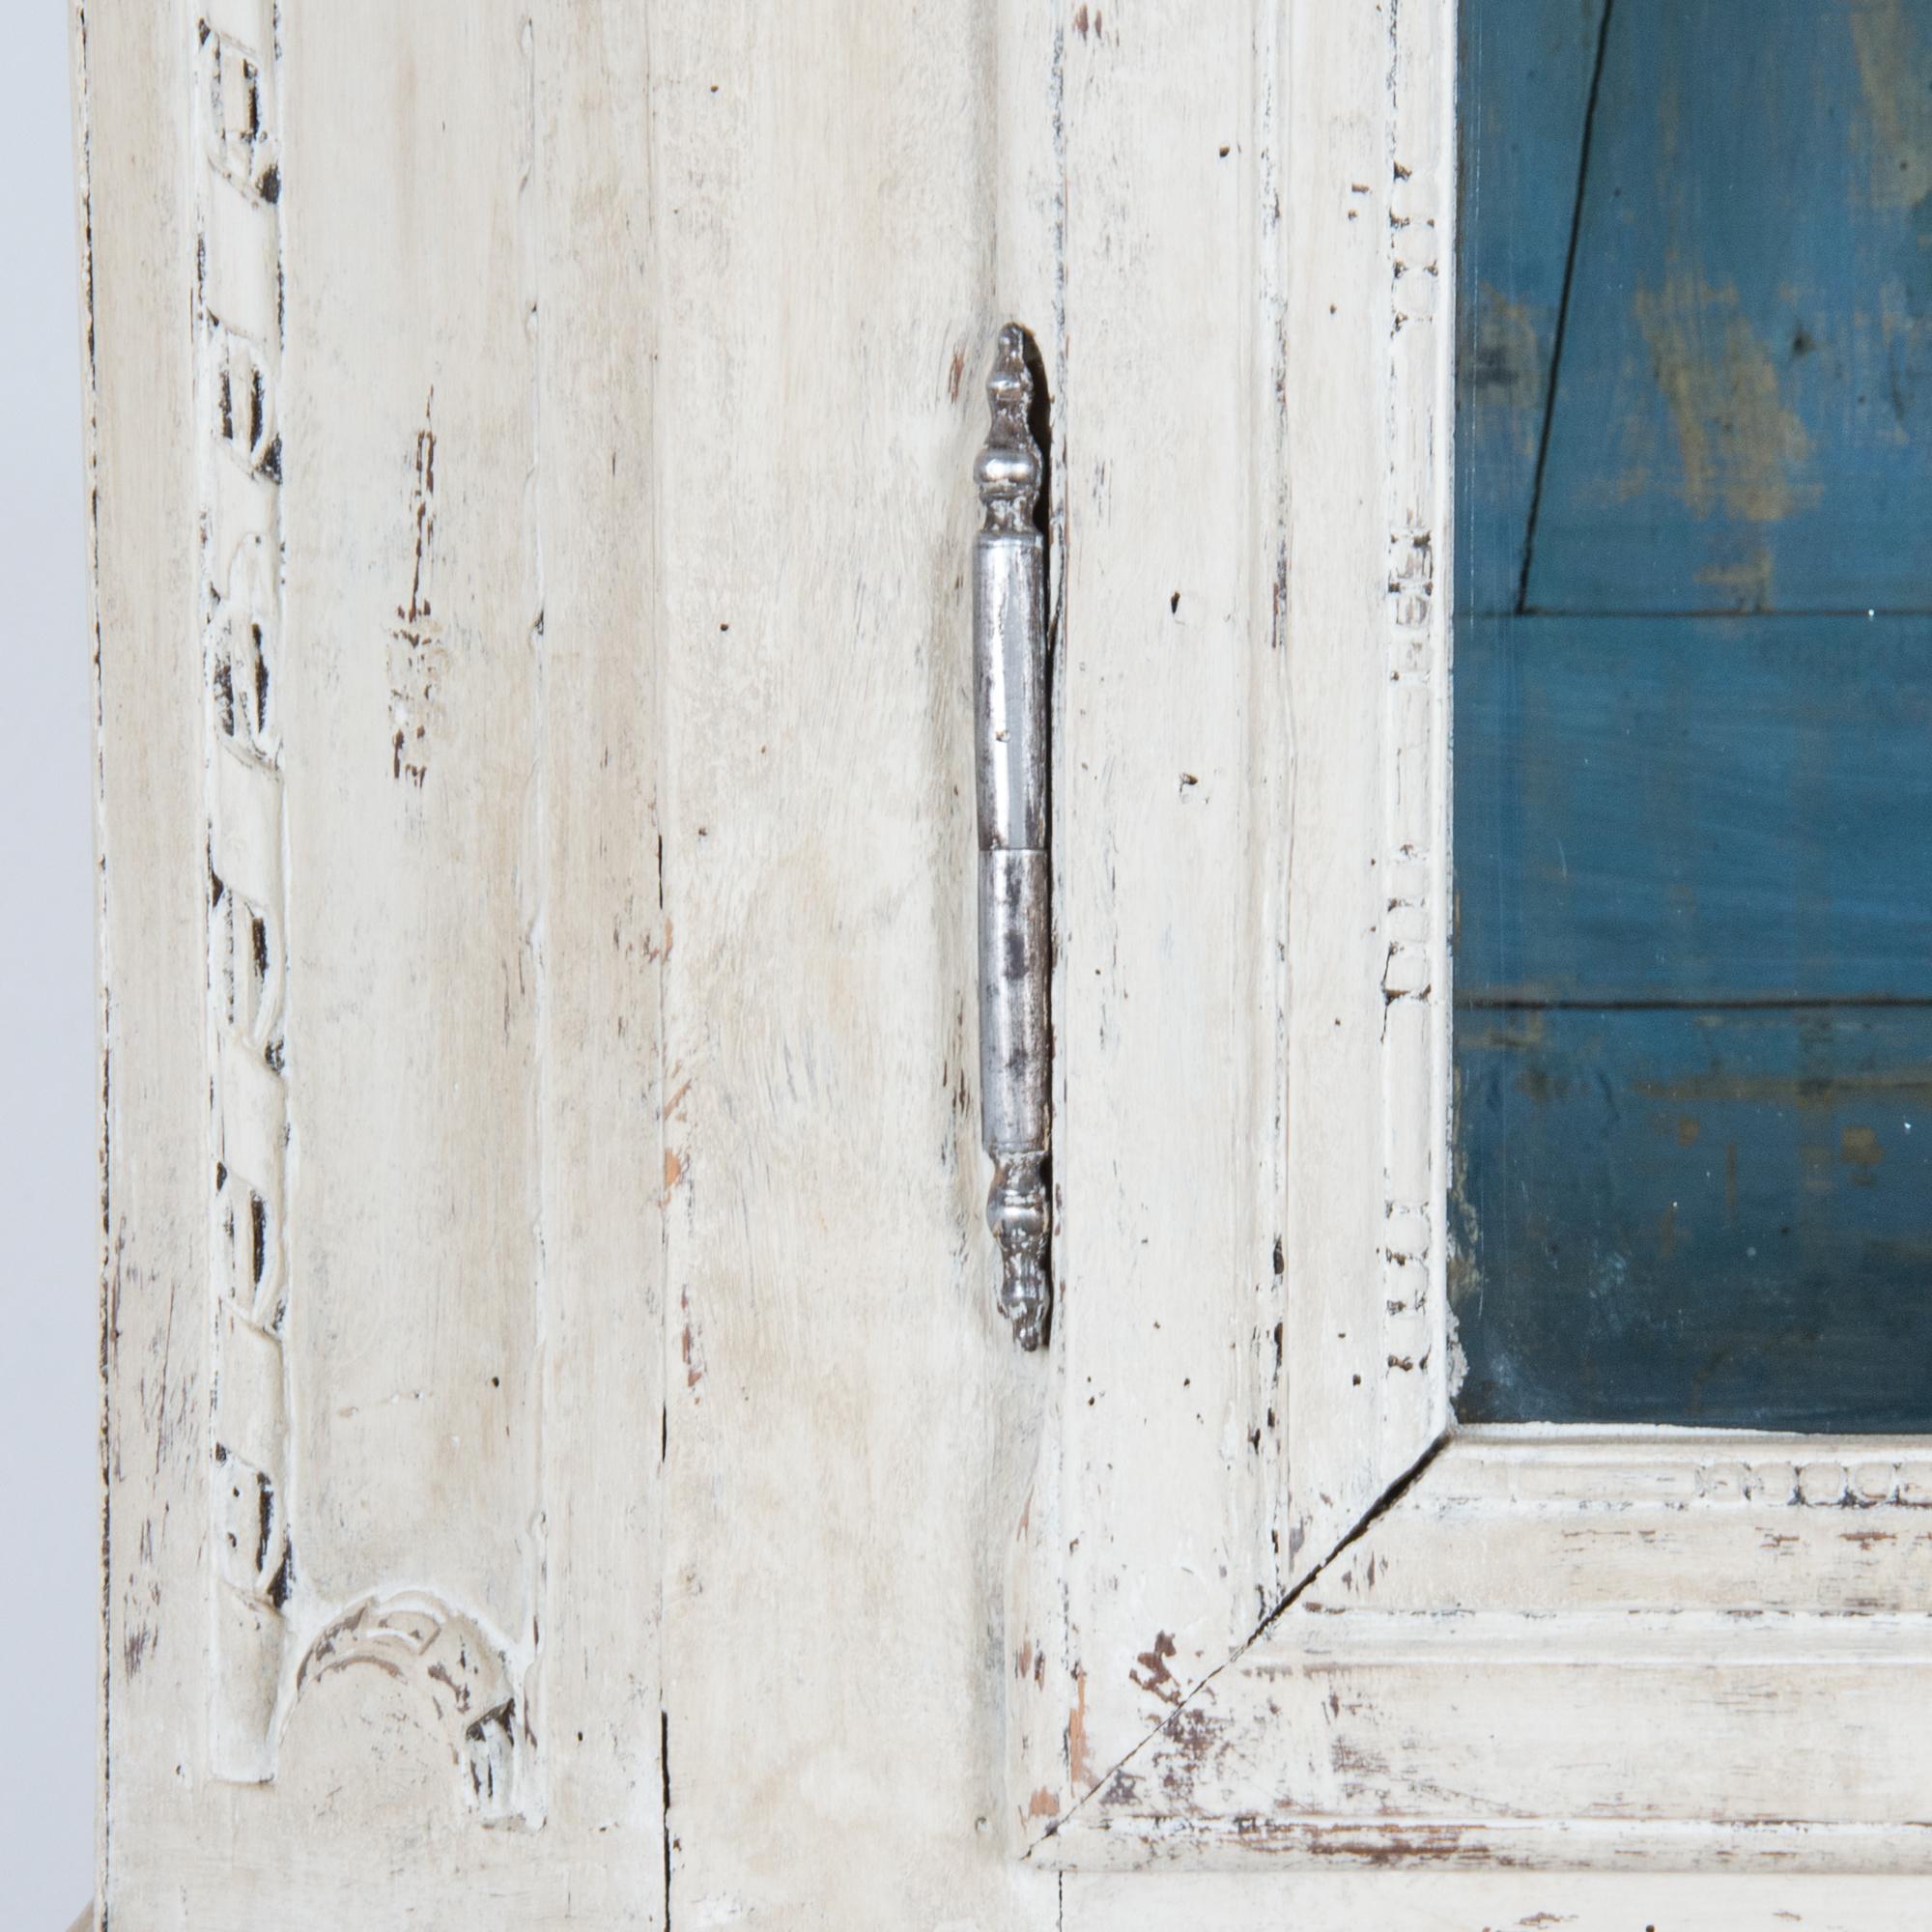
(461, 1674)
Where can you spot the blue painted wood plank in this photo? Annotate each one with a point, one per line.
(1525, 77)
(1746, 380)
(1713, 1217)
(1694, 868)
(1708, 810)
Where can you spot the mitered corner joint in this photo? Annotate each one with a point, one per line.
(1015, 925)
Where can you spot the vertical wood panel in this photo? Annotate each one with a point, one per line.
(1740, 413)
(842, 1396)
(466, 695)
(1169, 794)
(409, 714)
(1526, 67)
(1252, 847)
(601, 945)
(132, 77)
(1367, 440)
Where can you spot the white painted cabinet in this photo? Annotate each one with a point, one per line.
(563, 1465)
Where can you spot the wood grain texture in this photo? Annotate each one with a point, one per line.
(1667, 1652)
(846, 1410)
(1710, 1214)
(1692, 936)
(1740, 411)
(1694, 812)
(133, 70)
(1526, 67)
(469, 1717)
(1169, 766)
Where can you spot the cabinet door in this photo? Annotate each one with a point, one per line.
(1277, 1612)
(563, 1460)
(559, 1443)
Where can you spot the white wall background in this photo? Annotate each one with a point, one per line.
(49, 1200)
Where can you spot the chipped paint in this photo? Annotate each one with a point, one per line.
(1897, 91)
(1079, 1768)
(1508, 367)
(1740, 445)
(1152, 1675)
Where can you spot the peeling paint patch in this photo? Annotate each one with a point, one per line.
(1154, 1676)
(418, 657)
(1507, 367)
(1078, 1763)
(1738, 443)
(694, 1360)
(1898, 95)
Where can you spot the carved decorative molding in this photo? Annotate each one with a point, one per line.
(256, 1679)
(1578, 1469)
(459, 1669)
(238, 364)
(1413, 844)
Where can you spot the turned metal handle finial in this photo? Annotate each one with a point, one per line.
(1007, 472)
(1015, 929)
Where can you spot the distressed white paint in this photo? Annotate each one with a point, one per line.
(1251, 834)
(1551, 1648)
(640, 1386)
(638, 1293)
(1568, 1648)
(465, 1710)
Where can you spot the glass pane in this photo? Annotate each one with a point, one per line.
(1694, 714)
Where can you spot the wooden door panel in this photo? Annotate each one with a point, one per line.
(407, 698)
(440, 1328)
(625, 934)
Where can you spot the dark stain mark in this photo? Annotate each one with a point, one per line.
(418, 655)
(663, 1780)
(1078, 1763)
(1193, 1740)
(1159, 1681)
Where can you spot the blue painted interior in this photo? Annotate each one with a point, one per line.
(1694, 714)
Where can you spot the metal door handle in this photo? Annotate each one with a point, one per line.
(1015, 925)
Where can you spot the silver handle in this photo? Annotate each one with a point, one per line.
(1015, 881)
